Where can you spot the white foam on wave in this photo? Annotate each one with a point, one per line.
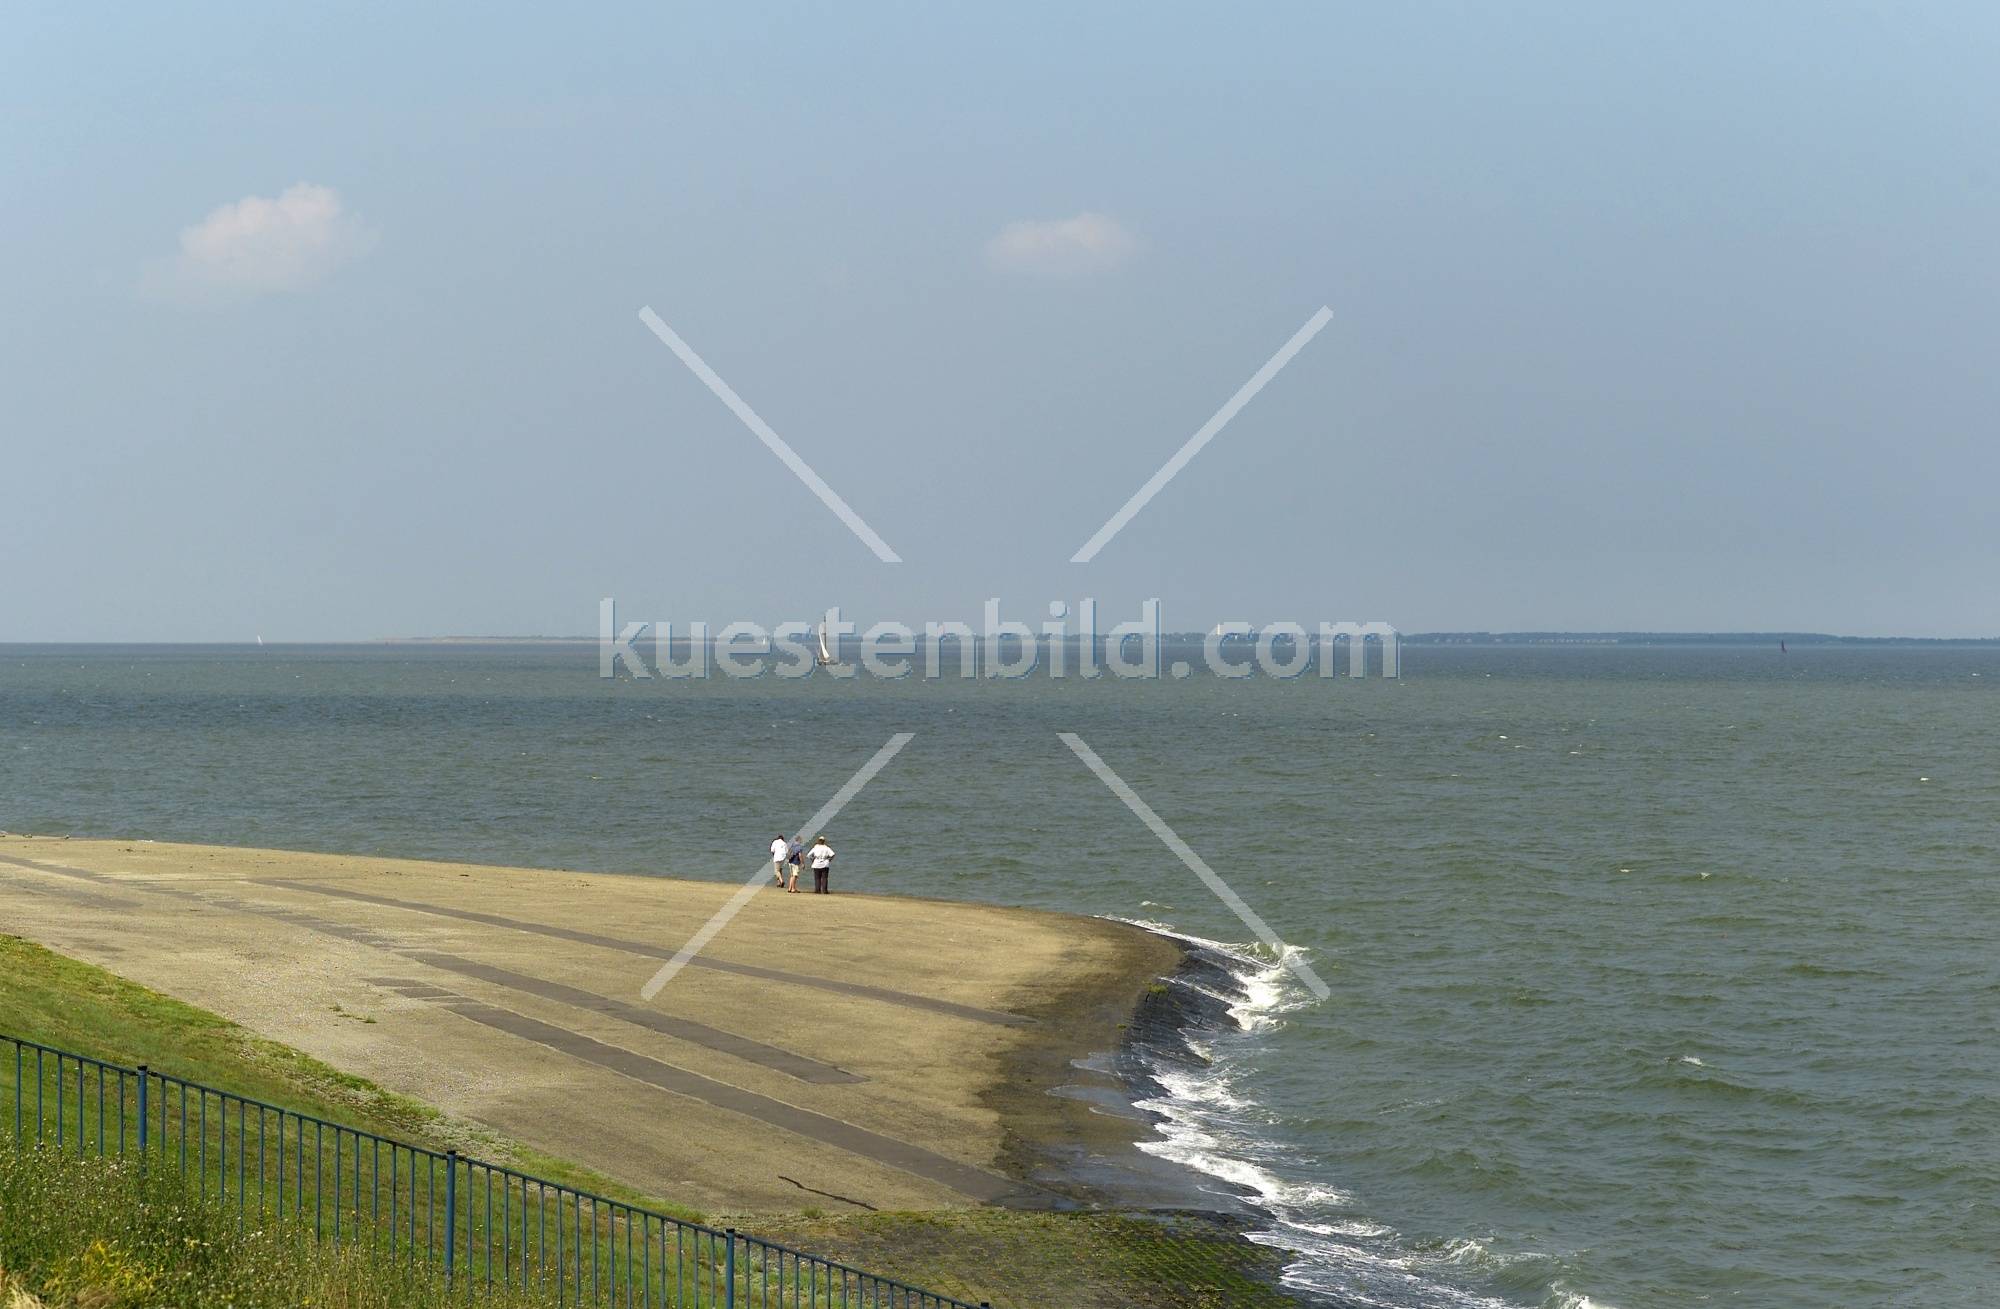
(1366, 1273)
(1210, 1123)
(1472, 1252)
(1351, 1227)
(1575, 1300)
(1208, 1086)
(1269, 987)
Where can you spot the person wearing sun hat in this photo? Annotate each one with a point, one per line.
(821, 859)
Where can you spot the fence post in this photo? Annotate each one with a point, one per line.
(144, 1077)
(450, 1209)
(729, 1269)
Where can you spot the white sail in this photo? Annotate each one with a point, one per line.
(825, 655)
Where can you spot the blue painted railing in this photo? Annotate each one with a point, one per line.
(479, 1225)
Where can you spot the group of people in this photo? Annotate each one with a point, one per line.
(787, 857)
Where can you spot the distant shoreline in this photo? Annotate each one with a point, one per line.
(1408, 638)
(1468, 638)
(1684, 638)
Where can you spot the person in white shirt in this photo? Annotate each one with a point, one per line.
(821, 859)
(781, 853)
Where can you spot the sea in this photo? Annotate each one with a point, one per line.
(1656, 975)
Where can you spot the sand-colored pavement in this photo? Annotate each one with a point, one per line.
(891, 1051)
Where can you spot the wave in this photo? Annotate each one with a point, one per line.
(1188, 1057)
(1255, 986)
(1566, 1299)
(1810, 968)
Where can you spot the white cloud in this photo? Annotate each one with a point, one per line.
(1062, 247)
(259, 245)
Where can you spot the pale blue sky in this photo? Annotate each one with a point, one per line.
(1645, 316)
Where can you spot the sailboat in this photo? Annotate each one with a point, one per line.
(825, 655)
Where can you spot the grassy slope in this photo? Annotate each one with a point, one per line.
(1091, 1260)
(1077, 1261)
(60, 1002)
(80, 1232)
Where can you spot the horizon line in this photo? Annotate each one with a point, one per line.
(1467, 636)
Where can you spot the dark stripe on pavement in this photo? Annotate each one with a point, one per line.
(651, 951)
(712, 1038)
(701, 1034)
(80, 874)
(683, 1029)
(913, 1159)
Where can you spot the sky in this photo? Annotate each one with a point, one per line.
(321, 323)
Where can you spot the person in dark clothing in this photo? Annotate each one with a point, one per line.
(821, 859)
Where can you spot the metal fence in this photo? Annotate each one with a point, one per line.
(479, 1225)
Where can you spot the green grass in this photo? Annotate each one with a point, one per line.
(89, 1233)
(1080, 1260)
(62, 1002)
